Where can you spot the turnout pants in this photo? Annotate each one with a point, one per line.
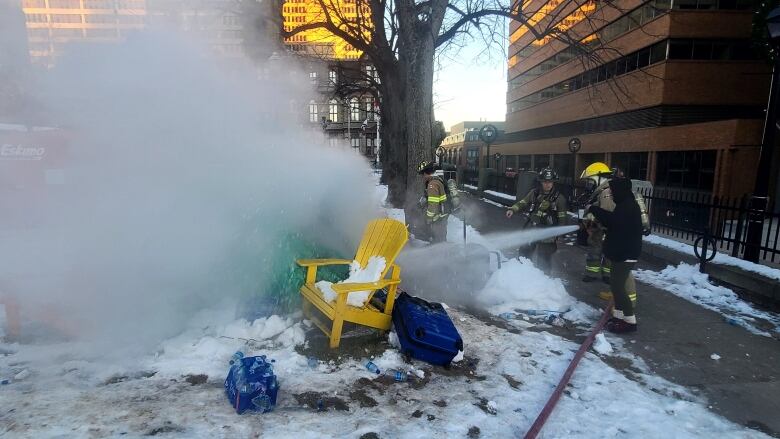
(623, 287)
(439, 230)
(596, 265)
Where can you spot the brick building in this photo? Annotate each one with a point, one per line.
(672, 92)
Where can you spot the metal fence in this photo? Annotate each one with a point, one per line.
(685, 216)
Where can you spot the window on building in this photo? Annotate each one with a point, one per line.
(686, 169)
(34, 3)
(65, 4)
(633, 164)
(369, 106)
(313, 112)
(541, 161)
(354, 110)
(332, 77)
(37, 18)
(524, 162)
(472, 158)
(65, 18)
(313, 76)
(333, 110)
(370, 146)
(355, 142)
(564, 166)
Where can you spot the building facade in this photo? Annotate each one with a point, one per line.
(463, 147)
(54, 24)
(667, 90)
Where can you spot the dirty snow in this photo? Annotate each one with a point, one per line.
(601, 345)
(372, 272)
(685, 281)
(720, 258)
(498, 388)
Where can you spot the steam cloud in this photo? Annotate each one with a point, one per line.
(178, 161)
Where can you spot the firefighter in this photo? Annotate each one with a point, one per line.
(435, 200)
(596, 178)
(623, 245)
(546, 207)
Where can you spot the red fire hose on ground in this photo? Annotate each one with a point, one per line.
(556, 395)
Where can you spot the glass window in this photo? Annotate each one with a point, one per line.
(643, 58)
(313, 112)
(541, 161)
(707, 4)
(702, 50)
(680, 49)
(354, 110)
(685, 4)
(720, 50)
(631, 62)
(658, 52)
(332, 76)
(333, 110)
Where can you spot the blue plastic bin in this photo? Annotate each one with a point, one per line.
(425, 330)
(260, 390)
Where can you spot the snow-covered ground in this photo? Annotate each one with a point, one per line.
(508, 370)
(720, 258)
(685, 281)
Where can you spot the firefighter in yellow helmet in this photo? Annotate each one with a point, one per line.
(596, 178)
(435, 200)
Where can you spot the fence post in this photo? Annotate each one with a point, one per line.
(705, 240)
(740, 224)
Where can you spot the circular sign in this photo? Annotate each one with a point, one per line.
(440, 152)
(574, 144)
(488, 133)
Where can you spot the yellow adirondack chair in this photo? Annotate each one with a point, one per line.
(382, 237)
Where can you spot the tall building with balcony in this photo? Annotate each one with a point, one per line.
(667, 90)
(344, 100)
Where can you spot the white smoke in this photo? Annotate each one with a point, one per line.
(182, 173)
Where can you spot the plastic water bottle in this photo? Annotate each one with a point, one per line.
(237, 356)
(507, 315)
(399, 375)
(373, 367)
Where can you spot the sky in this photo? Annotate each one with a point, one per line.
(471, 86)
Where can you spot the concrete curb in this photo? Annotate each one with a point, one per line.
(760, 288)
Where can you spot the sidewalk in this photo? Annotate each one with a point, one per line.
(676, 338)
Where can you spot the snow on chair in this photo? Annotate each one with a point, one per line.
(382, 241)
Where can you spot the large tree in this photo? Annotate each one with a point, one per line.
(401, 38)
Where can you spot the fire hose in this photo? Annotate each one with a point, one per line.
(536, 427)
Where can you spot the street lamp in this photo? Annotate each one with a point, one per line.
(488, 134)
(760, 199)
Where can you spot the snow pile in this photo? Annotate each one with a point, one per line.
(357, 274)
(207, 350)
(601, 345)
(687, 282)
(520, 286)
(720, 258)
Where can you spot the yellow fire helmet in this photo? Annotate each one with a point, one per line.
(596, 169)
